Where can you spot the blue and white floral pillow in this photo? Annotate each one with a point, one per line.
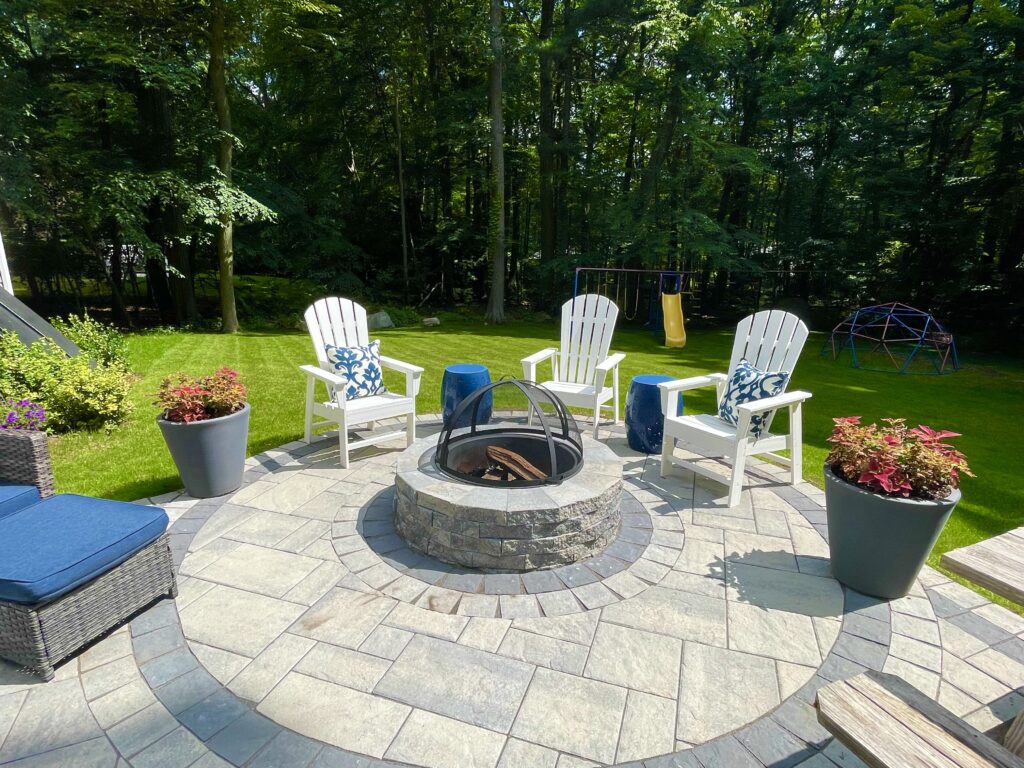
(360, 367)
(749, 383)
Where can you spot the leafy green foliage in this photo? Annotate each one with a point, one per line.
(764, 147)
(74, 393)
(102, 342)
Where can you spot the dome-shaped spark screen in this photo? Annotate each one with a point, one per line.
(542, 448)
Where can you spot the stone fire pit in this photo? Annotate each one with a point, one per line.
(508, 529)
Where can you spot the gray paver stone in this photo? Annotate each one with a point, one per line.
(726, 751)
(772, 745)
(457, 681)
(244, 737)
(212, 714)
(286, 748)
(165, 668)
(142, 729)
(541, 581)
(177, 749)
(183, 692)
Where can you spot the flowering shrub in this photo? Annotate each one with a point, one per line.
(76, 392)
(187, 398)
(896, 461)
(21, 414)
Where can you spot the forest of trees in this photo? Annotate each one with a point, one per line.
(484, 148)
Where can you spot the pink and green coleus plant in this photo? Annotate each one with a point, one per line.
(184, 398)
(894, 460)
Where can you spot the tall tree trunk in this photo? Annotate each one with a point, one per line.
(401, 200)
(225, 148)
(496, 300)
(548, 136)
(118, 308)
(563, 161)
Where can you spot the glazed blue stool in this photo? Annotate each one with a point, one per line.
(645, 423)
(459, 382)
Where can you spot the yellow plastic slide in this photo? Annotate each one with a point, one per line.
(672, 312)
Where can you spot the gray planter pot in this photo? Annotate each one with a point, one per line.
(880, 543)
(210, 455)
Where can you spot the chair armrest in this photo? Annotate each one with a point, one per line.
(530, 363)
(540, 357)
(412, 374)
(25, 460)
(772, 403)
(328, 378)
(398, 365)
(610, 362)
(668, 388)
(694, 382)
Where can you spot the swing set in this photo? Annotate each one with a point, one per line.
(664, 296)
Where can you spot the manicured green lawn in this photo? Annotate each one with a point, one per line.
(983, 401)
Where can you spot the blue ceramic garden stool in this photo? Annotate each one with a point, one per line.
(459, 382)
(645, 423)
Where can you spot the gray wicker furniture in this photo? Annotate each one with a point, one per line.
(39, 636)
(25, 459)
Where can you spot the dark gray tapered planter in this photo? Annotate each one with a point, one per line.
(210, 455)
(880, 543)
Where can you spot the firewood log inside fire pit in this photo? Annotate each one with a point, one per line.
(512, 464)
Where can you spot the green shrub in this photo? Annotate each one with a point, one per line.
(76, 392)
(103, 343)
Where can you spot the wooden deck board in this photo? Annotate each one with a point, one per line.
(888, 723)
(997, 564)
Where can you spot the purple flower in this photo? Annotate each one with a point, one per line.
(22, 414)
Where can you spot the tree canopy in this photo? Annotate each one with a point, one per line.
(872, 147)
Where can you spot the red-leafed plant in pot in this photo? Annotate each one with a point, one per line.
(889, 491)
(205, 422)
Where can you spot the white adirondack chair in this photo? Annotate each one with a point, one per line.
(342, 323)
(581, 363)
(772, 341)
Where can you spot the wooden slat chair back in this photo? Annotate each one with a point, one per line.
(771, 340)
(342, 323)
(581, 363)
(588, 323)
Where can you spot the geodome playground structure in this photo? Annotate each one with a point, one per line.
(894, 336)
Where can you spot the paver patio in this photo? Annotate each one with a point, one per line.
(307, 633)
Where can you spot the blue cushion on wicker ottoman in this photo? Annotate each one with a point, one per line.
(15, 497)
(64, 541)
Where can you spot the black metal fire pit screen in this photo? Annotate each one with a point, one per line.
(543, 450)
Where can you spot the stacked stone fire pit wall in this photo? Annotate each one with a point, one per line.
(508, 529)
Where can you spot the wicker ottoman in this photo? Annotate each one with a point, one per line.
(37, 637)
(71, 567)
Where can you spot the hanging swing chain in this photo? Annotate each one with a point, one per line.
(636, 301)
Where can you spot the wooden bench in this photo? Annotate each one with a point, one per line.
(888, 723)
(996, 564)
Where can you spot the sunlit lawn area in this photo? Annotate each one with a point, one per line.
(982, 402)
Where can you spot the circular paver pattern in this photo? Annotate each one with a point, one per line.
(705, 623)
(140, 696)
